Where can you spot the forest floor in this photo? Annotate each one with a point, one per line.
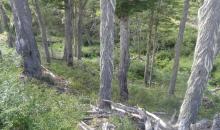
(31, 104)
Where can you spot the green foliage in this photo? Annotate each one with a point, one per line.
(123, 123)
(128, 7)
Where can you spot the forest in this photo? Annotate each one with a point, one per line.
(109, 65)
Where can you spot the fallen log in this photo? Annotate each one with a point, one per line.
(151, 121)
(145, 120)
(83, 126)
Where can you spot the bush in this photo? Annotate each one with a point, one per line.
(136, 69)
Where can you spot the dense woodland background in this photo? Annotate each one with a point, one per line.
(153, 26)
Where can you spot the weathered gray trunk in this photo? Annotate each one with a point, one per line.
(124, 57)
(42, 26)
(209, 20)
(217, 48)
(106, 51)
(177, 48)
(216, 122)
(6, 25)
(68, 32)
(25, 42)
(149, 47)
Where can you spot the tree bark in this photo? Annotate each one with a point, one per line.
(124, 57)
(209, 20)
(25, 42)
(216, 122)
(106, 51)
(80, 41)
(155, 46)
(68, 49)
(179, 41)
(6, 25)
(42, 26)
(149, 46)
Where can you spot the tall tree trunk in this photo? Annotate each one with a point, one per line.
(68, 32)
(80, 41)
(149, 46)
(42, 26)
(217, 48)
(209, 20)
(124, 57)
(177, 48)
(75, 30)
(25, 41)
(106, 51)
(155, 46)
(6, 25)
(82, 4)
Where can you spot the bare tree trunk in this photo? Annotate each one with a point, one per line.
(68, 32)
(75, 30)
(82, 4)
(106, 51)
(25, 41)
(138, 33)
(124, 57)
(42, 26)
(155, 46)
(177, 48)
(80, 41)
(7, 27)
(209, 20)
(149, 46)
(217, 48)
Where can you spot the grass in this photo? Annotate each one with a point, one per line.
(32, 105)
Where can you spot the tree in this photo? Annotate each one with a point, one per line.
(6, 25)
(106, 51)
(68, 51)
(82, 4)
(25, 42)
(124, 57)
(42, 26)
(177, 48)
(209, 20)
(149, 47)
(123, 10)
